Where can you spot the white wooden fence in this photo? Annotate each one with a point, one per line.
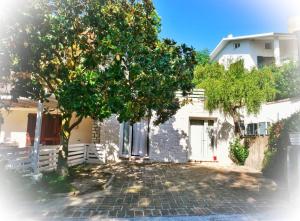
(20, 159)
(96, 153)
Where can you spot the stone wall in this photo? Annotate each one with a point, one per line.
(96, 129)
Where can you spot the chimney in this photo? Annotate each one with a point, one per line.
(230, 36)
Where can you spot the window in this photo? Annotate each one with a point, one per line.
(252, 129)
(236, 45)
(268, 45)
(263, 128)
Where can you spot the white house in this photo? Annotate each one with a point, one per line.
(192, 134)
(257, 50)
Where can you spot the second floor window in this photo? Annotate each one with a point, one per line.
(268, 45)
(236, 45)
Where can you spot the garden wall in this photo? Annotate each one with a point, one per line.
(257, 148)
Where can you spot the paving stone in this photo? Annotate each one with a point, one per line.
(156, 212)
(138, 213)
(76, 214)
(176, 190)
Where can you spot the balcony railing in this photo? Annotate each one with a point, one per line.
(196, 94)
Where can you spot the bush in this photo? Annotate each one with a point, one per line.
(274, 163)
(268, 157)
(238, 152)
(287, 80)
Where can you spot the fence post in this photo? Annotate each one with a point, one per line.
(86, 152)
(37, 135)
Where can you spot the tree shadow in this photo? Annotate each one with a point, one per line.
(168, 143)
(168, 186)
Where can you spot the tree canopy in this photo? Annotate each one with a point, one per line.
(234, 88)
(287, 80)
(97, 58)
(202, 57)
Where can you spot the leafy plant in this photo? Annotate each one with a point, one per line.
(234, 88)
(97, 58)
(202, 57)
(287, 80)
(268, 156)
(238, 152)
(274, 163)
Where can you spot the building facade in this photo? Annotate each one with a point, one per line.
(257, 50)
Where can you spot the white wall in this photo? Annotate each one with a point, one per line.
(170, 141)
(250, 49)
(83, 132)
(274, 111)
(229, 54)
(289, 49)
(14, 128)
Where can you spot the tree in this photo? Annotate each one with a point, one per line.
(202, 57)
(233, 89)
(97, 58)
(287, 80)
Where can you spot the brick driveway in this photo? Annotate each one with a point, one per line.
(170, 190)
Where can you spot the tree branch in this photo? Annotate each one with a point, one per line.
(75, 124)
(48, 83)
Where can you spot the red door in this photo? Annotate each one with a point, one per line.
(50, 131)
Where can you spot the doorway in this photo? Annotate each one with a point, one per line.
(135, 139)
(201, 140)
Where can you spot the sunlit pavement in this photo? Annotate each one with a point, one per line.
(237, 217)
(170, 192)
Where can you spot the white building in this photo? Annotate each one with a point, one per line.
(257, 50)
(192, 134)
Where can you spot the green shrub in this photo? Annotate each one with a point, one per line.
(274, 163)
(287, 80)
(238, 152)
(268, 157)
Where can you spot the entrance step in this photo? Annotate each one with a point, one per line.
(135, 159)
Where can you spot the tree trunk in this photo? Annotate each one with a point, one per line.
(236, 120)
(63, 152)
(64, 141)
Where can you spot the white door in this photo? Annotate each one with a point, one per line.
(139, 136)
(134, 139)
(201, 149)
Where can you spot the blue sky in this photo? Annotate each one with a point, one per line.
(203, 23)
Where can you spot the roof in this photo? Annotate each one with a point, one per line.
(270, 35)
